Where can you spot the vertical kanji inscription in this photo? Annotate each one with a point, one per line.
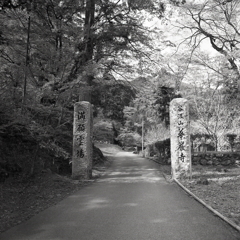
(180, 138)
(82, 141)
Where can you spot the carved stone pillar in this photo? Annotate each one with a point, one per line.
(181, 164)
(82, 141)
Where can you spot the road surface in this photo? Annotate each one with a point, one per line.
(132, 201)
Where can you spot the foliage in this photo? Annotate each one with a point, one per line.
(160, 150)
(149, 110)
(110, 28)
(37, 140)
(103, 130)
(98, 157)
(164, 96)
(163, 148)
(157, 132)
(213, 112)
(129, 139)
(111, 98)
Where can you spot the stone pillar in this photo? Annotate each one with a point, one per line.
(181, 164)
(82, 141)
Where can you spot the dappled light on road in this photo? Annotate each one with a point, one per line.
(138, 176)
(96, 203)
(129, 168)
(129, 180)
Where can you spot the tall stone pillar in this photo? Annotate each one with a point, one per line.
(181, 164)
(82, 141)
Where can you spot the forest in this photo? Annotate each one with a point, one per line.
(134, 56)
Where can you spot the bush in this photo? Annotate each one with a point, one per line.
(161, 149)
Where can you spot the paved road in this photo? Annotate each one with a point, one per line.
(131, 202)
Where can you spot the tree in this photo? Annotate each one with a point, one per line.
(110, 28)
(51, 35)
(47, 119)
(218, 21)
(111, 97)
(151, 107)
(212, 110)
(165, 92)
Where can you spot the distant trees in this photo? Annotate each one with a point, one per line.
(212, 112)
(111, 98)
(164, 95)
(148, 114)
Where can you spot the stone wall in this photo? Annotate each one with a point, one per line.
(202, 158)
(155, 151)
(215, 158)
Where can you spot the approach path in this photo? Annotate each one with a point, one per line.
(132, 201)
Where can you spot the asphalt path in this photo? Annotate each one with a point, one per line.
(132, 201)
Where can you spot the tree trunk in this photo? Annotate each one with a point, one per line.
(26, 63)
(88, 33)
(215, 139)
(87, 46)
